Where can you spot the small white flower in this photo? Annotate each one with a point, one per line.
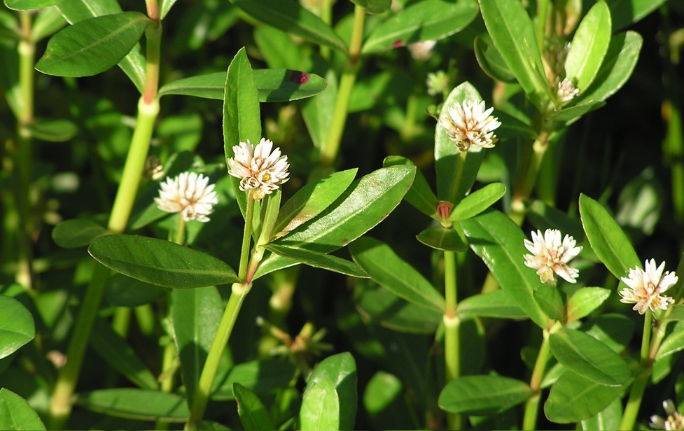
(470, 124)
(551, 256)
(674, 421)
(645, 287)
(259, 169)
(189, 195)
(422, 51)
(437, 82)
(566, 90)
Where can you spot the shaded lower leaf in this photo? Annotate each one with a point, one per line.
(52, 130)
(330, 395)
(136, 404)
(160, 262)
(319, 260)
(122, 291)
(674, 342)
(607, 419)
(16, 326)
(574, 398)
(493, 304)
(491, 62)
(549, 300)
(16, 413)
(253, 414)
(483, 395)
(585, 300)
(613, 330)
(77, 233)
(262, 377)
(574, 112)
(442, 238)
(420, 195)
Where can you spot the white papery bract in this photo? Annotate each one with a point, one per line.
(468, 124)
(674, 421)
(646, 286)
(188, 194)
(261, 169)
(566, 90)
(550, 256)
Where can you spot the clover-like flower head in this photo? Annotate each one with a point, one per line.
(261, 169)
(646, 286)
(468, 124)
(188, 194)
(674, 421)
(550, 256)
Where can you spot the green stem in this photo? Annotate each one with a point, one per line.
(179, 236)
(219, 344)
(542, 13)
(636, 394)
(331, 146)
(452, 357)
(532, 404)
(527, 176)
(246, 238)
(326, 17)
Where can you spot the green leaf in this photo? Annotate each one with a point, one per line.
(588, 357)
(607, 239)
(617, 67)
(363, 205)
(589, 46)
(241, 114)
(607, 419)
(574, 398)
(584, 301)
(16, 413)
(427, 20)
(482, 395)
(273, 85)
(311, 200)
(136, 404)
(676, 313)
(613, 330)
(373, 7)
(513, 35)
(16, 326)
(122, 291)
(319, 260)
(491, 62)
(330, 395)
(263, 377)
(493, 304)
(94, 45)
(500, 244)
(79, 10)
(9, 78)
(380, 306)
(442, 238)
(77, 233)
(118, 354)
(394, 274)
(478, 201)
(253, 414)
(47, 22)
(164, 7)
(631, 12)
(318, 111)
(574, 112)
(549, 300)
(195, 316)
(160, 262)
(52, 130)
(545, 217)
(292, 18)
(674, 342)
(30, 4)
(420, 194)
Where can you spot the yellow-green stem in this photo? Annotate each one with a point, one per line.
(532, 404)
(458, 175)
(179, 235)
(527, 176)
(452, 357)
(246, 238)
(326, 17)
(542, 13)
(636, 393)
(331, 146)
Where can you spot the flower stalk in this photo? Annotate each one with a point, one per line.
(452, 353)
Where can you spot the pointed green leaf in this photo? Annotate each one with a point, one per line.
(589, 46)
(574, 398)
(676, 313)
(319, 260)
(160, 262)
(79, 10)
(394, 274)
(513, 35)
(574, 112)
(586, 300)
(607, 419)
(491, 62)
(617, 67)
(137, 404)
(94, 45)
(164, 7)
(47, 22)
(362, 206)
(262, 377)
(293, 19)
(420, 195)
(311, 200)
(500, 243)
(77, 233)
(30, 4)
(483, 395)
(52, 130)
(318, 111)
(613, 330)
(493, 304)
(16, 326)
(118, 354)
(16, 413)
(549, 300)
(427, 20)
(253, 414)
(373, 6)
(674, 342)
(442, 238)
(195, 316)
(122, 291)
(478, 201)
(588, 357)
(330, 395)
(607, 239)
(273, 85)
(626, 13)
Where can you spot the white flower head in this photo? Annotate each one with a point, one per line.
(261, 169)
(566, 90)
(188, 194)
(646, 286)
(468, 123)
(550, 256)
(422, 51)
(674, 421)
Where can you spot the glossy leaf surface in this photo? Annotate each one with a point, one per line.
(420, 195)
(253, 414)
(491, 62)
(441, 238)
(319, 260)
(136, 404)
(16, 413)
(262, 377)
(585, 300)
(492, 304)
(478, 201)
(589, 46)
(574, 398)
(482, 395)
(16, 326)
